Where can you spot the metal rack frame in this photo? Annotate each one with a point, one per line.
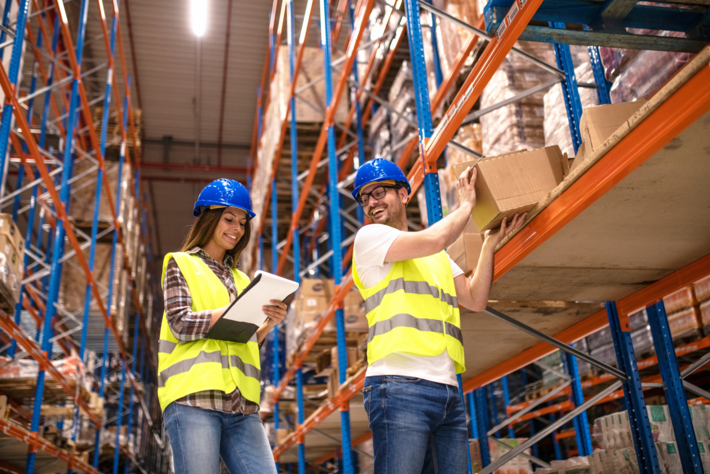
(45, 265)
(681, 109)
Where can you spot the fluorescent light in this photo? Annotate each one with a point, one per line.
(198, 17)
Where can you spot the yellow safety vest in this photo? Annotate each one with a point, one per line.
(205, 364)
(414, 310)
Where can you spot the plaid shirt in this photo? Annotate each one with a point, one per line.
(187, 325)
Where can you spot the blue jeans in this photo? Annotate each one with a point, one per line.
(200, 437)
(417, 426)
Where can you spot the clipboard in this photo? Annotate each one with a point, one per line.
(244, 316)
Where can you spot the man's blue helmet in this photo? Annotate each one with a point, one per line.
(379, 170)
(224, 192)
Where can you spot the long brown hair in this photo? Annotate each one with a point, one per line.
(203, 228)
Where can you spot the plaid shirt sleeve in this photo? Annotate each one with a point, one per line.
(185, 324)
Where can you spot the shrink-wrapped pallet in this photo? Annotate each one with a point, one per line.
(684, 323)
(636, 74)
(518, 465)
(311, 69)
(83, 193)
(517, 126)
(679, 300)
(556, 125)
(450, 37)
(470, 137)
(702, 289)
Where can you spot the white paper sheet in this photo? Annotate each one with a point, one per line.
(271, 287)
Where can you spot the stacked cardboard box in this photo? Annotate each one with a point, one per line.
(310, 305)
(469, 136)
(701, 289)
(519, 464)
(684, 319)
(451, 37)
(12, 251)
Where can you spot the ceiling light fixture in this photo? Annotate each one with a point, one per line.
(198, 17)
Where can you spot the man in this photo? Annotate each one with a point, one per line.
(412, 293)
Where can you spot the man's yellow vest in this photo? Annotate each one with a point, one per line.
(205, 364)
(414, 310)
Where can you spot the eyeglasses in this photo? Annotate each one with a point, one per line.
(377, 193)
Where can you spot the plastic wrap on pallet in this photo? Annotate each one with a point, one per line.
(605, 353)
(518, 465)
(517, 126)
(600, 338)
(81, 207)
(380, 137)
(451, 37)
(421, 200)
(637, 74)
(314, 96)
(402, 81)
(556, 123)
(668, 458)
(704, 448)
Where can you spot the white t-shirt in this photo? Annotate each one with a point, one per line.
(371, 245)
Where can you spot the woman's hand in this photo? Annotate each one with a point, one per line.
(276, 311)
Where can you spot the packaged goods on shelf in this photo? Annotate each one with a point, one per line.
(374, 29)
(684, 323)
(403, 81)
(380, 137)
(466, 251)
(705, 316)
(70, 367)
(514, 183)
(516, 126)
(10, 280)
(599, 123)
(605, 353)
(83, 193)
(451, 37)
(405, 107)
(642, 340)
(679, 300)
(12, 234)
(72, 285)
(556, 124)
(669, 458)
(704, 448)
(579, 465)
(310, 305)
(702, 289)
(519, 464)
(421, 200)
(311, 69)
(641, 73)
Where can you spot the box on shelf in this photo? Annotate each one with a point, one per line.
(282, 435)
(705, 316)
(10, 229)
(599, 123)
(684, 323)
(466, 251)
(679, 300)
(518, 465)
(351, 357)
(514, 183)
(702, 289)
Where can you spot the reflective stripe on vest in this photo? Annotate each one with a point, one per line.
(205, 364)
(413, 287)
(408, 321)
(186, 364)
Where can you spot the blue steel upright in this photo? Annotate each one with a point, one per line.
(13, 74)
(506, 402)
(481, 402)
(675, 394)
(335, 237)
(603, 85)
(581, 423)
(294, 143)
(58, 242)
(633, 393)
(360, 159)
(570, 92)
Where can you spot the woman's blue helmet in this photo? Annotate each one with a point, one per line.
(224, 192)
(378, 170)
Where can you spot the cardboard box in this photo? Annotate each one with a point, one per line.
(333, 384)
(579, 157)
(7, 247)
(513, 183)
(466, 251)
(10, 229)
(599, 123)
(352, 357)
(282, 435)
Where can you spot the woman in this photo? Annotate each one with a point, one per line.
(208, 389)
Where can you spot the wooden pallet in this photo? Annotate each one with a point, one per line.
(25, 388)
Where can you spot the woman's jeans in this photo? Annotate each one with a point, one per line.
(417, 426)
(200, 437)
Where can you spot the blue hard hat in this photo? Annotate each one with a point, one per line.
(224, 192)
(378, 170)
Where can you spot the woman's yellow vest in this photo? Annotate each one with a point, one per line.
(205, 364)
(414, 310)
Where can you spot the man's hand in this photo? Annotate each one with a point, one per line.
(465, 186)
(496, 236)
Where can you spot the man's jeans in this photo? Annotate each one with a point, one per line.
(200, 437)
(417, 426)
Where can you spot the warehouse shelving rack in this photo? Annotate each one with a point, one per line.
(54, 174)
(507, 21)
